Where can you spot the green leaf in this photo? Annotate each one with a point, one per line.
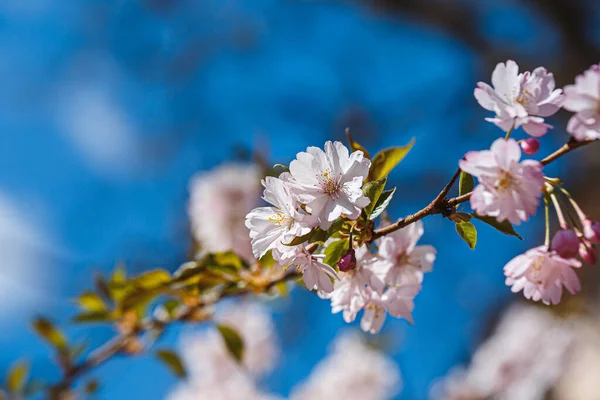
(300, 239)
(468, 233)
(465, 184)
(152, 279)
(172, 361)
(382, 203)
(228, 258)
(335, 227)
(373, 190)
(505, 226)
(50, 333)
(233, 341)
(335, 251)
(90, 301)
(354, 146)
(386, 160)
(93, 317)
(318, 236)
(17, 376)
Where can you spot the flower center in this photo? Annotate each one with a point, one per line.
(504, 182)
(330, 185)
(536, 266)
(523, 98)
(281, 219)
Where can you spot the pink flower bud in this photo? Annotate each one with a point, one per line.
(530, 146)
(348, 262)
(591, 230)
(566, 243)
(588, 253)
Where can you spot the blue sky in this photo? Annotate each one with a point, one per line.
(107, 109)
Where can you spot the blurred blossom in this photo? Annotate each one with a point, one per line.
(583, 98)
(353, 371)
(207, 358)
(236, 387)
(580, 380)
(219, 201)
(522, 360)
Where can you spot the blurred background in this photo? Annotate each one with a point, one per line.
(107, 109)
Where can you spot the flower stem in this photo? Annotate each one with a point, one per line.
(509, 132)
(576, 207)
(559, 213)
(547, 214)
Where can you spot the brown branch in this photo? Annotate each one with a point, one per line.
(442, 205)
(118, 344)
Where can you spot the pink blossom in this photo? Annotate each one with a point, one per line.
(541, 274)
(315, 273)
(329, 182)
(507, 189)
(398, 301)
(591, 230)
(520, 99)
(588, 252)
(583, 98)
(406, 261)
(566, 243)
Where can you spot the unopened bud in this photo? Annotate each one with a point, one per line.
(591, 230)
(588, 253)
(566, 243)
(348, 262)
(530, 146)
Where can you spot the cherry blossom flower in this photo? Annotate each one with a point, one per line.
(355, 286)
(316, 274)
(507, 189)
(329, 182)
(541, 274)
(352, 371)
(591, 230)
(208, 360)
(583, 98)
(219, 201)
(274, 227)
(523, 359)
(398, 301)
(407, 261)
(520, 99)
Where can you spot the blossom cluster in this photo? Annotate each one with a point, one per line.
(323, 189)
(526, 355)
(214, 374)
(510, 189)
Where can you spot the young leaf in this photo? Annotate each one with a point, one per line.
(335, 227)
(386, 160)
(354, 146)
(50, 333)
(283, 167)
(172, 361)
(382, 203)
(373, 190)
(335, 251)
(318, 236)
(468, 233)
(233, 341)
(17, 376)
(465, 184)
(228, 258)
(153, 279)
(93, 317)
(91, 302)
(504, 226)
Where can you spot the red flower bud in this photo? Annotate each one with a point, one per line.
(530, 146)
(566, 243)
(588, 253)
(591, 230)
(348, 262)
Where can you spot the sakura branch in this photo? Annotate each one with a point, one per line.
(320, 225)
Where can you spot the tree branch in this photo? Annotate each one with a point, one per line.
(441, 205)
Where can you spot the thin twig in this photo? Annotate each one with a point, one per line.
(440, 204)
